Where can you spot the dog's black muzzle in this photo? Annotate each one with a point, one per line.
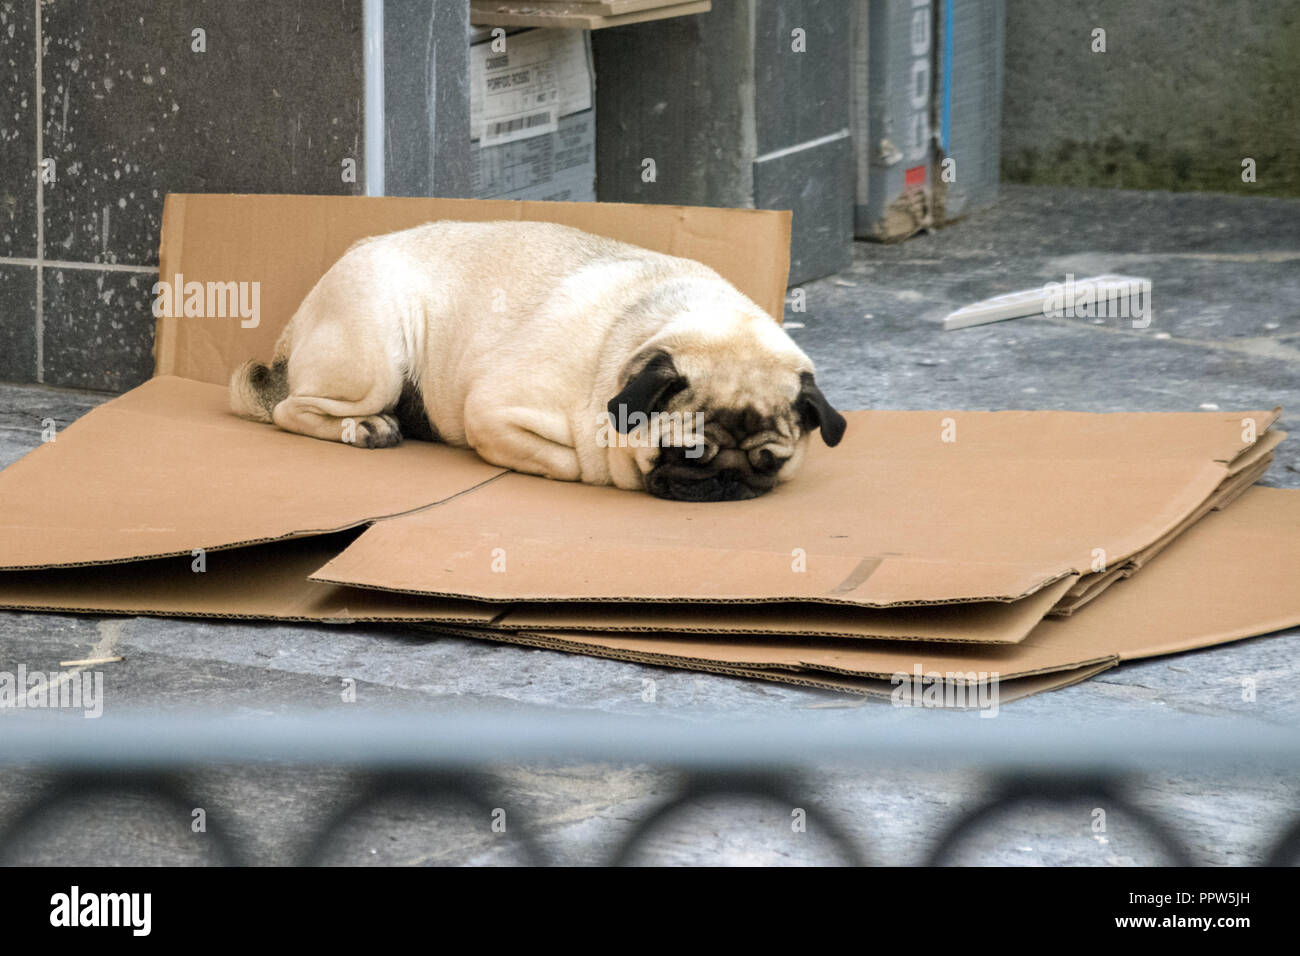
(728, 477)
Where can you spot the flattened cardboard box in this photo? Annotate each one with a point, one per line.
(983, 622)
(271, 582)
(165, 469)
(580, 14)
(1189, 597)
(895, 515)
(210, 481)
(1231, 576)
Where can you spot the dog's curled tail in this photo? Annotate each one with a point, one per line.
(255, 389)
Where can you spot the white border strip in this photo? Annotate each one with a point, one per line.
(373, 28)
(40, 202)
(62, 264)
(811, 144)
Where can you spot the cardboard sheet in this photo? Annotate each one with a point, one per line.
(286, 243)
(988, 622)
(264, 582)
(1009, 689)
(1091, 586)
(166, 468)
(1231, 576)
(991, 529)
(271, 581)
(893, 516)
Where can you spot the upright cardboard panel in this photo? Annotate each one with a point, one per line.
(286, 243)
(894, 515)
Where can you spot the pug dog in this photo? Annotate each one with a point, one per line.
(548, 351)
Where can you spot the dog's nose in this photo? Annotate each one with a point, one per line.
(729, 461)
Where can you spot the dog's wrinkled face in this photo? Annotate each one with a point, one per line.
(719, 429)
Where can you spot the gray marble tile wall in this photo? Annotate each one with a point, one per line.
(107, 106)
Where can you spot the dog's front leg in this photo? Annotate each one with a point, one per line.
(524, 439)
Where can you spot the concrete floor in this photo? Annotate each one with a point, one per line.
(1226, 275)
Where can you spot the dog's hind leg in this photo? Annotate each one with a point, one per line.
(341, 393)
(330, 419)
(522, 439)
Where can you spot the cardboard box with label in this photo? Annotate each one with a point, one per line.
(1038, 546)
(532, 121)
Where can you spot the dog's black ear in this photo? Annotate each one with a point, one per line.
(646, 391)
(815, 412)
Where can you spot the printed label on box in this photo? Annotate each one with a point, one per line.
(524, 90)
(523, 170)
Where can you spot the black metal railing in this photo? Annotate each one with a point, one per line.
(442, 761)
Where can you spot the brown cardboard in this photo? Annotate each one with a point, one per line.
(1009, 512)
(1090, 586)
(271, 581)
(1231, 576)
(579, 15)
(166, 468)
(1009, 689)
(988, 622)
(267, 581)
(286, 243)
(893, 516)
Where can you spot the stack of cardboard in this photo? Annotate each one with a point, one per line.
(935, 553)
(579, 14)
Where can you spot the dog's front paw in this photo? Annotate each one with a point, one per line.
(373, 431)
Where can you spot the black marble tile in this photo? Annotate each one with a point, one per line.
(814, 183)
(676, 91)
(426, 98)
(17, 323)
(800, 96)
(132, 112)
(17, 129)
(98, 328)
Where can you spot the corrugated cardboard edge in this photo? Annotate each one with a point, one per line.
(1016, 629)
(580, 642)
(171, 246)
(1254, 448)
(766, 599)
(1009, 689)
(1091, 586)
